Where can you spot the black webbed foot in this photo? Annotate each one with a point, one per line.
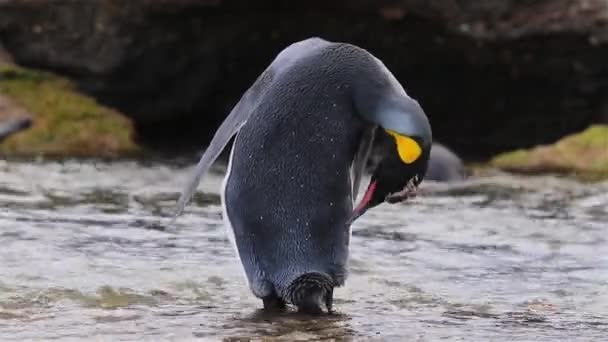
(310, 309)
(273, 303)
(329, 300)
(311, 292)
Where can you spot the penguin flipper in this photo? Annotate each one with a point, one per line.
(233, 122)
(360, 160)
(243, 110)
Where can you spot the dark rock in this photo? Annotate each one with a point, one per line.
(492, 75)
(5, 57)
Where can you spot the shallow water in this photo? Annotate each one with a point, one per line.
(86, 253)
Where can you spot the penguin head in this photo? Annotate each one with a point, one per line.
(405, 154)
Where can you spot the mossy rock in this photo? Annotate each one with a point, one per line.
(66, 123)
(583, 154)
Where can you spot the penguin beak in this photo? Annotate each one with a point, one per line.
(365, 203)
(371, 199)
(409, 191)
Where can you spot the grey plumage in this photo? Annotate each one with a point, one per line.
(303, 135)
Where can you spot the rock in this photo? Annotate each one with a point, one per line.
(65, 122)
(12, 126)
(444, 165)
(584, 154)
(13, 118)
(485, 71)
(5, 57)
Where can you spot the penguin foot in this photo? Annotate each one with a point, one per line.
(315, 308)
(273, 303)
(329, 300)
(310, 309)
(310, 292)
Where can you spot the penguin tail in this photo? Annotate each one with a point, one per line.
(310, 292)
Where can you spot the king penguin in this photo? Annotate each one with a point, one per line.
(302, 135)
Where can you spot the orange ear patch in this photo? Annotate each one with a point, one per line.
(408, 148)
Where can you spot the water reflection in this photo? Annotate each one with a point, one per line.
(289, 326)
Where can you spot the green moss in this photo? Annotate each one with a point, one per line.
(517, 157)
(583, 154)
(65, 122)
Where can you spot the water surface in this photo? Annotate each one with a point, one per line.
(86, 252)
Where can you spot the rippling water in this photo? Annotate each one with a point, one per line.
(86, 253)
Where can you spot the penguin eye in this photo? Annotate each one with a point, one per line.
(409, 150)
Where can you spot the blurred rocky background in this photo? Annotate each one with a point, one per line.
(494, 75)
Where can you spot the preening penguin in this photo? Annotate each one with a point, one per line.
(304, 131)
